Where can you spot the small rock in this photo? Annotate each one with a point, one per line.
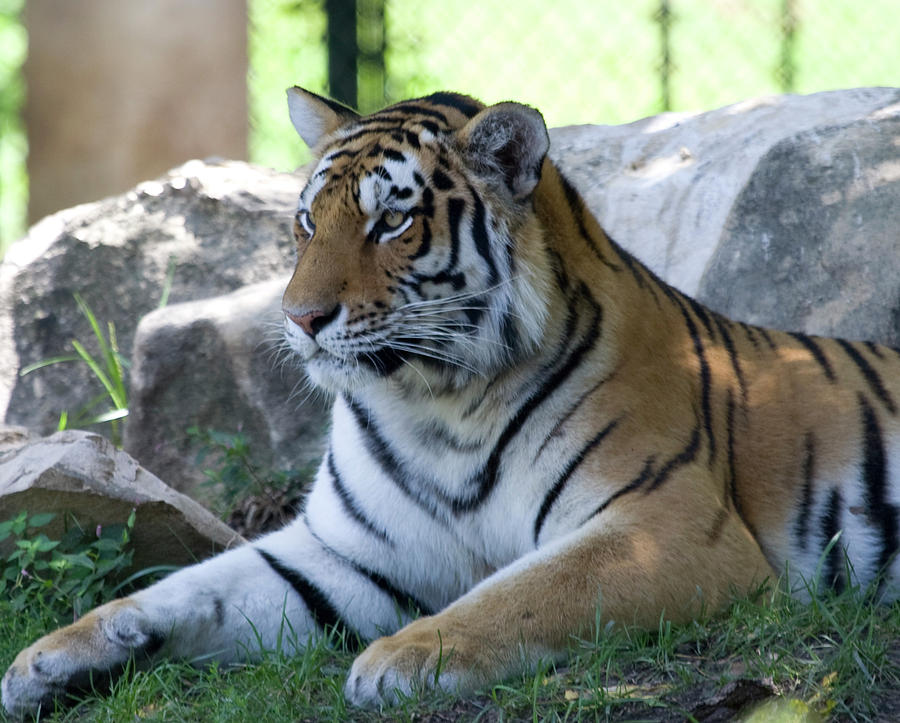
(84, 474)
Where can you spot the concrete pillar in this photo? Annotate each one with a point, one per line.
(119, 91)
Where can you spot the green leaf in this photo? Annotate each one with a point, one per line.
(47, 362)
(42, 543)
(60, 564)
(41, 519)
(81, 560)
(109, 416)
(107, 544)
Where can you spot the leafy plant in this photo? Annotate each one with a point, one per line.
(254, 497)
(108, 368)
(69, 576)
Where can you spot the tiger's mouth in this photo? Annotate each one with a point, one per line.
(382, 362)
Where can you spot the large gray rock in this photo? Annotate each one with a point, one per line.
(82, 474)
(217, 364)
(222, 224)
(782, 211)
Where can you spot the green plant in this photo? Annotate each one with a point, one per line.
(68, 576)
(230, 468)
(108, 369)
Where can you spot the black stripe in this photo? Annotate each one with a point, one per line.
(414, 109)
(455, 208)
(816, 352)
(400, 193)
(879, 511)
(705, 377)
(702, 313)
(631, 263)
(436, 433)
(731, 491)
(568, 415)
(393, 155)
(381, 452)
(219, 607)
(722, 326)
(323, 613)
(749, 333)
(801, 526)
(448, 275)
(576, 206)
(635, 484)
(872, 378)
(488, 476)
(831, 525)
(339, 154)
(349, 504)
(509, 332)
(367, 131)
(874, 348)
(557, 488)
(342, 110)
(403, 600)
(463, 103)
(431, 127)
(427, 202)
(482, 237)
(685, 456)
(441, 180)
(765, 335)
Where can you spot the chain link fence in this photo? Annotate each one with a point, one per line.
(578, 61)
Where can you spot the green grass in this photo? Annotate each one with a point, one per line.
(835, 659)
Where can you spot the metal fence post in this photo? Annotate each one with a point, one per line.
(785, 72)
(343, 50)
(663, 16)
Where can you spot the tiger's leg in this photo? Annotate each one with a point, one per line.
(644, 563)
(227, 608)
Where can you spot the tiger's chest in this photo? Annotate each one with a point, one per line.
(474, 485)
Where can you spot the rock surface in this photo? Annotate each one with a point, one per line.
(218, 226)
(781, 211)
(82, 474)
(215, 363)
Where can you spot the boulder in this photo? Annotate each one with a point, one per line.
(83, 474)
(782, 211)
(210, 227)
(217, 363)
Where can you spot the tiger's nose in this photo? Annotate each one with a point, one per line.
(312, 322)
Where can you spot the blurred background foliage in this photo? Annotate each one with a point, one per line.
(579, 61)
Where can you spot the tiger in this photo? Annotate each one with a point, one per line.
(532, 434)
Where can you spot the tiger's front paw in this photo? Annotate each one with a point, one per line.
(73, 657)
(422, 655)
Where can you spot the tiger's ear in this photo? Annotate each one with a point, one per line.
(507, 142)
(314, 116)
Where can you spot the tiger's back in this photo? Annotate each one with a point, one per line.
(531, 431)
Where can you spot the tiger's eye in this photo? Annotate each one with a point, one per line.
(393, 219)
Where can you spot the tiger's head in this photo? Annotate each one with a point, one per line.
(420, 258)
